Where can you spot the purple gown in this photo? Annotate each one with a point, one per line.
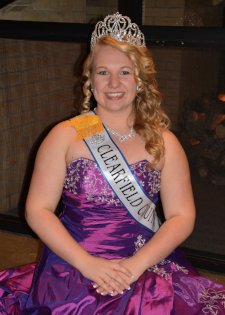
(96, 219)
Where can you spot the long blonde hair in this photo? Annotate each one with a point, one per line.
(150, 119)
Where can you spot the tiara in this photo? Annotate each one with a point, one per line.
(119, 27)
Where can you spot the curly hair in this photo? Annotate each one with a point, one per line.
(150, 120)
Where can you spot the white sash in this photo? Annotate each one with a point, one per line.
(125, 185)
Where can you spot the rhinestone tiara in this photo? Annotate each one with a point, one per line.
(119, 27)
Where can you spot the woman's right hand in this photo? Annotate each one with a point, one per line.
(109, 275)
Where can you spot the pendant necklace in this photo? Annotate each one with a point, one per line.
(122, 138)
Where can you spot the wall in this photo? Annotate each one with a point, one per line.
(37, 82)
(36, 90)
(164, 12)
(168, 61)
(70, 11)
(181, 72)
(46, 10)
(100, 8)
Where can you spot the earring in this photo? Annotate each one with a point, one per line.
(137, 88)
(92, 90)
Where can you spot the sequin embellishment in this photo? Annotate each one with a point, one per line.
(84, 172)
(211, 299)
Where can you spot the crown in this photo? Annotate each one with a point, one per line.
(119, 27)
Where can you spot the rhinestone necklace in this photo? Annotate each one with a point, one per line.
(122, 138)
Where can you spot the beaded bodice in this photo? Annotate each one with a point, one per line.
(84, 176)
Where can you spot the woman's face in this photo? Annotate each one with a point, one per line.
(113, 79)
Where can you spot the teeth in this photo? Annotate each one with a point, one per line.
(115, 94)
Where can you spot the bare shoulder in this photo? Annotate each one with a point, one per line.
(62, 131)
(169, 137)
(72, 128)
(174, 152)
(58, 140)
(171, 142)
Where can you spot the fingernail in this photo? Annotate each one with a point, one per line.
(94, 285)
(121, 292)
(97, 291)
(102, 293)
(128, 288)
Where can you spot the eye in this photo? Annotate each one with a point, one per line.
(125, 72)
(102, 72)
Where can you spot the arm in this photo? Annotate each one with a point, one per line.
(45, 191)
(44, 194)
(178, 206)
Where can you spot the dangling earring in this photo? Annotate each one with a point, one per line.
(138, 88)
(91, 88)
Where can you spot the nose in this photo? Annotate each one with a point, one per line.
(114, 81)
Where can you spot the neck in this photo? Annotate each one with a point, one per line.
(120, 121)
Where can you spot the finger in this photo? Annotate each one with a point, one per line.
(124, 270)
(116, 285)
(124, 284)
(105, 289)
(105, 286)
(118, 281)
(101, 291)
(113, 279)
(112, 284)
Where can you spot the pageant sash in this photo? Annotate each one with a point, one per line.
(125, 185)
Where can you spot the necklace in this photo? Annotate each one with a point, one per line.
(122, 138)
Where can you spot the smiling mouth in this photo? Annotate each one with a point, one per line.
(114, 94)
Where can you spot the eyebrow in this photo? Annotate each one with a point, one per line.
(105, 67)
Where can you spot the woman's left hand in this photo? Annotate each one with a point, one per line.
(130, 264)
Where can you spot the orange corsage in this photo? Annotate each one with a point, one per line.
(85, 125)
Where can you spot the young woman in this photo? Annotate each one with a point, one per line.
(108, 253)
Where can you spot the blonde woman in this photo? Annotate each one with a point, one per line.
(108, 253)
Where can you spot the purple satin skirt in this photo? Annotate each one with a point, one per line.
(96, 219)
